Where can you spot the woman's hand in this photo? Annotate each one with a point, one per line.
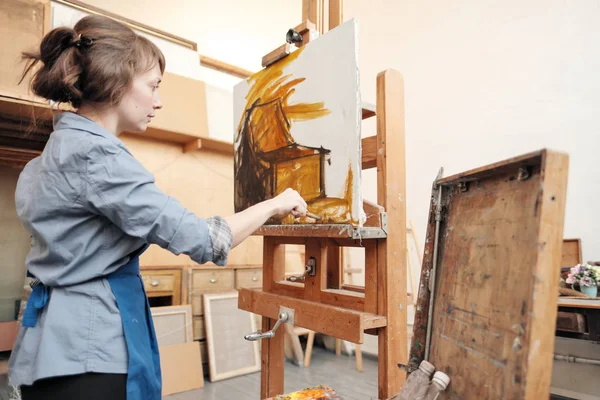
(244, 223)
(289, 202)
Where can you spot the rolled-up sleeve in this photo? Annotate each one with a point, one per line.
(121, 189)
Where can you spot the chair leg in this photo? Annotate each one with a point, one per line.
(309, 346)
(359, 359)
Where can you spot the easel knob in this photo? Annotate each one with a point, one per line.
(292, 36)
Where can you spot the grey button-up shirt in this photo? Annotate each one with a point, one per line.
(88, 204)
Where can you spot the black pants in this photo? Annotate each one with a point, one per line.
(78, 387)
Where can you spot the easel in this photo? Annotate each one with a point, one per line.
(323, 303)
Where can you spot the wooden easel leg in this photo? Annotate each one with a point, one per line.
(391, 252)
(273, 356)
(273, 349)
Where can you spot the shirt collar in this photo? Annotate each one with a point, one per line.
(70, 120)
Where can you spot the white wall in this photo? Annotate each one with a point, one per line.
(487, 80)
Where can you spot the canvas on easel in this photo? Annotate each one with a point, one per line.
(299, 126)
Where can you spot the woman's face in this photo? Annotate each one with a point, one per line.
(139, 104)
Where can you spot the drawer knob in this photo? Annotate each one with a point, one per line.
(213, 280)
(155, 283)
(254, 279)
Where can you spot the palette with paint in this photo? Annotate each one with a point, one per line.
(320, 392)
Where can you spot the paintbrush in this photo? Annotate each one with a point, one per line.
(313, 216)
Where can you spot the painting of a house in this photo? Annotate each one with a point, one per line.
(298, 126)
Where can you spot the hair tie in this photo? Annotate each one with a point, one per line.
(82, 41)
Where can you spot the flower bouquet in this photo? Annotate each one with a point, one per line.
(585, 276)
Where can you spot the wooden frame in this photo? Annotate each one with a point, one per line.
(497, 234)
(215, 374)
(169, 311)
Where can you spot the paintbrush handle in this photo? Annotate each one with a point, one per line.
(313, 216)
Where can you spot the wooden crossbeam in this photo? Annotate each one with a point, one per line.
(334, 321)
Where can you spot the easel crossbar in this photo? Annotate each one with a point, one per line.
(330, 320)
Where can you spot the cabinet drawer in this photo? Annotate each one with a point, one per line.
(248, 278)
(212, 280)
(199, 331)
(158, 283)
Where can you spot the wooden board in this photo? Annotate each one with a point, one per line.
(571, 252)
(499, 255)
(333, 321)
(181, 367)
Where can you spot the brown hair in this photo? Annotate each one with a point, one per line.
(94, 62)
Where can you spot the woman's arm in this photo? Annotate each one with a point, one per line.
(244, 223)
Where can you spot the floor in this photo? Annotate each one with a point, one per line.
(338, 372)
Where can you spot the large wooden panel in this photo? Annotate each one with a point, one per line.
(202, 182)
(498, 260)
(184, 108)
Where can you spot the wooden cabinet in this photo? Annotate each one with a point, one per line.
(218, 279)
(23, 24)
(248, 278)
(163, 285)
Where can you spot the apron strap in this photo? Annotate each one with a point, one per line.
(36, 302)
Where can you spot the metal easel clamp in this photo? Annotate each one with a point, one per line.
(285, 315)
(309, 269)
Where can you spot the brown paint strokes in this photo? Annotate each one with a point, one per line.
(268, 160)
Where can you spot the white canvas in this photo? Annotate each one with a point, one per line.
(329, 66)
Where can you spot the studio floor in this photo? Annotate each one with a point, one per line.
(338, 372)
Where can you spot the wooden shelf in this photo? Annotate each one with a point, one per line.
(25, 127)
(334, 321)
(322, 231)
(579, 303)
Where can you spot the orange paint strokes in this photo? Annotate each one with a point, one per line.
(271, 85)
(320, 392)
(332, 210)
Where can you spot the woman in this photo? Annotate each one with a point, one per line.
(91, 209)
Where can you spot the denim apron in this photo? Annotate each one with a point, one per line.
(143, 370)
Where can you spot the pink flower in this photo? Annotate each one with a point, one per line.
(575, 270)
(570, 279)
(586, 281)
